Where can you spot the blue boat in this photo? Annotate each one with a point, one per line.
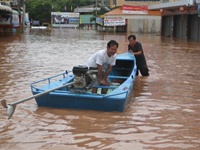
(75, 92)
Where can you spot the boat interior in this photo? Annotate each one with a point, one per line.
(120, 73)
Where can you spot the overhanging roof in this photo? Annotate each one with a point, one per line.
(15, 12)
(116, 11)
(171, 4)
(88, 9)
(5, 8)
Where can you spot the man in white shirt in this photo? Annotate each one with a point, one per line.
(103, 60)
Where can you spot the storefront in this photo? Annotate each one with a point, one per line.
(180, 19)
(5, 17)
(137, 19)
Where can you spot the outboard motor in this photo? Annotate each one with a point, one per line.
(80, 79)
(83, 77)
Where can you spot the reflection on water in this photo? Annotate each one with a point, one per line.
(164, 112)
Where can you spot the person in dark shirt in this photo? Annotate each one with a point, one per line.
(135, 48)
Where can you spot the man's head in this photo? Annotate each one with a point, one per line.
(132, 39)
(112, 46)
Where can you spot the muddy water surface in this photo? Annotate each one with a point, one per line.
(164, 112)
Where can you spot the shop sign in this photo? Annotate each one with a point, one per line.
(114, 22)
(126, 9)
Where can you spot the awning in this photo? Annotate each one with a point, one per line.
(5, 8)
(90, 8)
(171, 4)
(15, 12)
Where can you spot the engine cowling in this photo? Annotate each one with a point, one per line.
(79, 76)
(83, 77)
(80, 70)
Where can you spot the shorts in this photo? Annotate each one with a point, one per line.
(96, 82)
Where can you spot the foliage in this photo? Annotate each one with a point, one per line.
(41, 9)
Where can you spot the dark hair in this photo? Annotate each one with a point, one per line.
(132, 36)
(111, 43)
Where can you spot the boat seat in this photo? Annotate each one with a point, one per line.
(105, 87)
(118, 77)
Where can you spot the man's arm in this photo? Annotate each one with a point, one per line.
(107, 72)
(137, 53)
(100, 74)
(139, 49)
(102, 77)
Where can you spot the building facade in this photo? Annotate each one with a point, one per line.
(136, 15)
(180, 19)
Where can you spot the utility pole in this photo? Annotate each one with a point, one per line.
(96, 8)
(96, 16)
(23, 14)
(102, 2)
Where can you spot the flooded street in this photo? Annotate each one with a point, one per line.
(164, 113)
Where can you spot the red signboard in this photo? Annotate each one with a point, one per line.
(126, 9)
(135, 8)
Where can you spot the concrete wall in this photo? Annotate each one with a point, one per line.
(148, 24)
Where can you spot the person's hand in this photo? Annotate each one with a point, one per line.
(103, 82)
(131, 52)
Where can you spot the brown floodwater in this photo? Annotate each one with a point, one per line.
(164, 112)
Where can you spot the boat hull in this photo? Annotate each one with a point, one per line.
(81, 101)
(117, 100)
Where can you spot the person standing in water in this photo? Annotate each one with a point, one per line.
(135, 48)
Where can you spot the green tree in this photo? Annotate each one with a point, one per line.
(41, 9)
